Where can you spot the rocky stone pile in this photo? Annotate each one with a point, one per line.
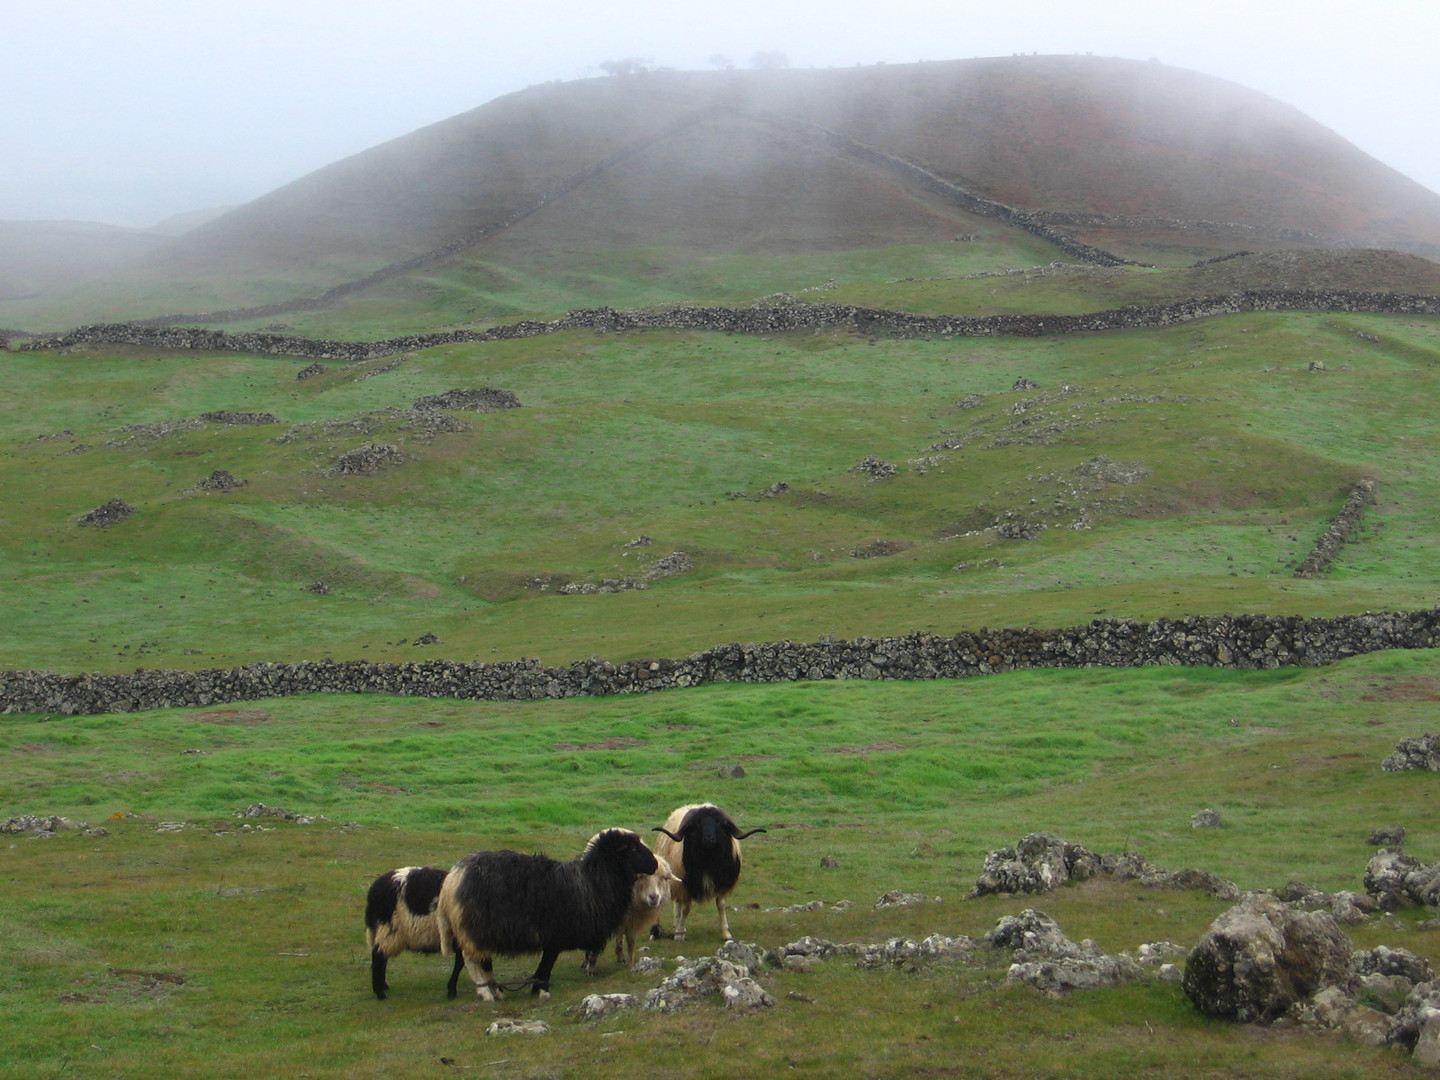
(1112, 472)
(1398, 881)
(1419, 752)
(875, 469)
(729, 975)
(370, 458)
(310, 371)
(1048, 960)
(484, 399)
(1042, 861)
(227, 417)
(220, 480)
(112, 513)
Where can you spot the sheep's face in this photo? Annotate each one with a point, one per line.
(651, 892)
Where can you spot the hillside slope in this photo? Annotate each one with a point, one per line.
(1149, 161)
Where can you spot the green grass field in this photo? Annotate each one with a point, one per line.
(219, 951)
(225, 949)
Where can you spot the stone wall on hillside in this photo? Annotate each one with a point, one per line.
(1232, 641)
(758, 319)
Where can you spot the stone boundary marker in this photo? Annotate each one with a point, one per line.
(758, 319)
(1243, 642)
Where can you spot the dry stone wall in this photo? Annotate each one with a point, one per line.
(1233, 641)
(759, 319)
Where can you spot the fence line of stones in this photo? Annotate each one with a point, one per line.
(1328, 546)
(758, 319)
(1231, 641)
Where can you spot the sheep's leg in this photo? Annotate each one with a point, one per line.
(724, 922)
(483, 973)
(591, 960)
(540, 981)
(620, 940)
(682, 910)
(377, 973)
(455, 972)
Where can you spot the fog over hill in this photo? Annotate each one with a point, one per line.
(1125, 155)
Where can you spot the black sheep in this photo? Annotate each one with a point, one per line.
(508, 904)
(702, 843)
(400, 915)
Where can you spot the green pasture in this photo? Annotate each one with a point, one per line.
(203, 944)
(1243, 454)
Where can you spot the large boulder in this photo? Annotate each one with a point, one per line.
(1262, 956)
(1397, 880)
(1419, 752)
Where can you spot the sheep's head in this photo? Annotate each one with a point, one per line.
(706, 825)
(623, 847)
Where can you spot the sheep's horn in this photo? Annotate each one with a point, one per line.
(741, 835)
(667, 832)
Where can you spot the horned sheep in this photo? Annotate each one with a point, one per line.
(400, 917)
(507, 904)
(702, 844)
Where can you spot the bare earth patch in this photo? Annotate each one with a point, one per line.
(618, 742)
(243, 717)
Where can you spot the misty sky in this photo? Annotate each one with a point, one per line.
(129, 111)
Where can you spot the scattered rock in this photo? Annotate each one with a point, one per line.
(594, 1006)
(1387, 836)
(875, 469)
(260, 810)
(829, 862)
(319, 588)
(40, 825)
(900, 898)
(731, 772)
(1023, 383)
(1262, 956)
(426, 639)
(1205, 819)
(509, 1026)
(1397, 880)
(1048, 960)
(311, 371)
(1112, 472)
(113, 512)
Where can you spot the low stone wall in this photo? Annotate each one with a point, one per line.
(759, 319)
(1233, 641)
(1328, 546)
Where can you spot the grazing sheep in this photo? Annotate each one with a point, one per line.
(646, 900)
(702, 843)
(505, 903)
(400, 915)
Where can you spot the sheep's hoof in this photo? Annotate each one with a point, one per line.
(488, 992)
(543, 995)
(680, 935)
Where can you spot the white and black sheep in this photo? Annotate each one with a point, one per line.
(508, 904)
(647, 899)
(400, 916)
(702, 844)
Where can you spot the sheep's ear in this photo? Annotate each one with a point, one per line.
(667, 832)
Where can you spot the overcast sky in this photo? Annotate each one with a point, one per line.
(129, 111)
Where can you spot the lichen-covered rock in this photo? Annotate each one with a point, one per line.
(1397, 880)
(1383, 960)
(1387, 836)
(1048, 960)
(594, 1006)
(220, 480)
(1262, 956)
(1193, 880)
(733, 982)
(1419, 752)
(368, 459)
(508, 1026)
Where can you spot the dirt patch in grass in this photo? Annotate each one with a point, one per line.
(617, 742)
(1406, 689)
(873, 748)
(242, 717)
(354, 783)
